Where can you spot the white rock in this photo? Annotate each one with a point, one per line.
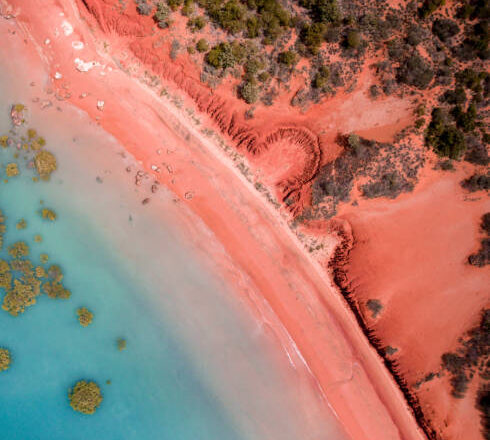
(67, 28)
(47, 41)
(58, 75)
(100, 105)
(85, 66)
(77, 45)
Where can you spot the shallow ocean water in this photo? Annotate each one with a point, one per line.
(154, 390)
(198, 365)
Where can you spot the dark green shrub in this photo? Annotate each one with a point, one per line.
(253, 27)
(312, 36)
(249, 92)
(221, 56)
(263, 76)
(202, 45)
(253, 65)
(465, 120)
(321, 78)
(353, 39)
(174, 4)
(323, 11)
(445, 29)
(415, 35)
(415, 72)
(288, 58)
(445, 139)
(230, 16)
(196, 24)
(478, 182)
(429, 6)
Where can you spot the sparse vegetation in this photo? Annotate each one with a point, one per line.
(477, 182)
(482, 257)
(161, 15)
(470, 358)
(375, 306)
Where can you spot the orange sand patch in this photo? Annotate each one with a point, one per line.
(411, 254)
(346, 369)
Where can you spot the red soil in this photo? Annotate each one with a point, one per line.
(409, 253)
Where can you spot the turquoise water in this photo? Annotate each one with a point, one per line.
(154, 392)
(198, 365)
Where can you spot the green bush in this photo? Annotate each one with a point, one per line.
(323, 11)
(230, 16)
(221, 56)
(415, 72)
(445, 139)
(312, 36)
(202, 45)
(429, 6)
(288, 58)
(321, 78)
(161, 15)
(249, 92)
(174, 4)
(253, 27)
(196, 24)
(353, 39)
(445, 29)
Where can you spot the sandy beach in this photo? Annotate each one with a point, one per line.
(277, 274)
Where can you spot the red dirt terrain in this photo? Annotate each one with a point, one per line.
(410, 253)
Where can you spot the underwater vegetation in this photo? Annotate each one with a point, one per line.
(85, 316)
(121, 344)
(21, 279)
(85, 397)
(48, 214)
(5, 359)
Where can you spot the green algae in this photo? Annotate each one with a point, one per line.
(85, 397)
(12, 169)
(121, 344)
(3, 228)
(5, 359)
(21, 224)
(45, 164)
(19, 249)
(48, 214)
(18, 298)
(85, 316)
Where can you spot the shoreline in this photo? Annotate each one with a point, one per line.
(315, 322)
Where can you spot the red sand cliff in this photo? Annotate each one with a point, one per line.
(409, 253)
